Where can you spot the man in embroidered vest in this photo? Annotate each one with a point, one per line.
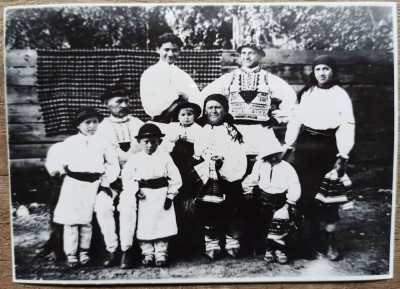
(120, 130)
(250, 90)
(163, 85)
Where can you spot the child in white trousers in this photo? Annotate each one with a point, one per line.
(152, 175)
(89, 166)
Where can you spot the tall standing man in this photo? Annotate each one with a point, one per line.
(120, 129)
(250, 90)
(163, 85)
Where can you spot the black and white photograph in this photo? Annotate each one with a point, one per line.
(204, 143)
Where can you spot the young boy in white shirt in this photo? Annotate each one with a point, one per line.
(274, 184)
(152, 175)
(90, 165)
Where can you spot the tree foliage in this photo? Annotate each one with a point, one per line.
(202, 26)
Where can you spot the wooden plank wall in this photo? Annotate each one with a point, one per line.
(367, 77)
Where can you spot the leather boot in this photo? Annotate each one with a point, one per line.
(110, 259)
(127, 260)
(316, 244)
(332, 252)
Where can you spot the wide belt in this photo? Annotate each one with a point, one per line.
(323, 132)
(154, 183)
(84, 177)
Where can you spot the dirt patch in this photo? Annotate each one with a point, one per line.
(363, 237)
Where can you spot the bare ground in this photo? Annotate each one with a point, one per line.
(363, 238)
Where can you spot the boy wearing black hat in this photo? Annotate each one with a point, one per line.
(119, 129)
(89, 165)
(153, 177)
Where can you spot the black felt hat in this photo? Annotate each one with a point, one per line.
(116, 90)
(185, 104)
(85, 112)
(149, 130)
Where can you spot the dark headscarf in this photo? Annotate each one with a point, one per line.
(312, 81)
(228, 118)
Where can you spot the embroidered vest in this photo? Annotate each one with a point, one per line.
(122, 133)
(250, 95)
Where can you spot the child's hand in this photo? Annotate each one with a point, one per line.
(56, 174)
(219, 161)
(140, 195)
(167, 204)
(182, 137)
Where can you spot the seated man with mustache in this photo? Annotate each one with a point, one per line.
(120, 130)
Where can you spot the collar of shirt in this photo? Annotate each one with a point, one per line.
(249, 70)
(84, 137)
(119, 120)
(165, 65)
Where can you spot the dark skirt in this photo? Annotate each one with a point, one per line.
(189, 228)
(223, 218)
(315, 156)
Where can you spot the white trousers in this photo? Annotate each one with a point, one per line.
(127, 219)
(77, 235)
(157, 249)
(104, 208)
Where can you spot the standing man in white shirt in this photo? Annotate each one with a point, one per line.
(163, 85)
(120, 130)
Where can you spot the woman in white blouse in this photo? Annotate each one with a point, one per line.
(323, 128)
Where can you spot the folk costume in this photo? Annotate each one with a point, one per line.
(250, 92)
(180, 142)
(221, 218)
(323, 124)
(88, 163)
(157, 178)
(173, 85)
(272, 186)
(120, 133)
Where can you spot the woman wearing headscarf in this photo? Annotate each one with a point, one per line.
(324, 126)
(221, 147)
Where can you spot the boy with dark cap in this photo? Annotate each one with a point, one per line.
(153, 177)
(90, 165)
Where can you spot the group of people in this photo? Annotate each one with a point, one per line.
(202, 158)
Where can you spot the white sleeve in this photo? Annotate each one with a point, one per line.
(200, 141)
(111, 166)
(129, 183)
(282, 91)
(345, 135)
(156, 93)
(294, 188)
(174, 178)
(55, 159)
(187, 87)
(293, 126)
(235, 162)
(218, 86)
(106, 133)
(253, 179)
